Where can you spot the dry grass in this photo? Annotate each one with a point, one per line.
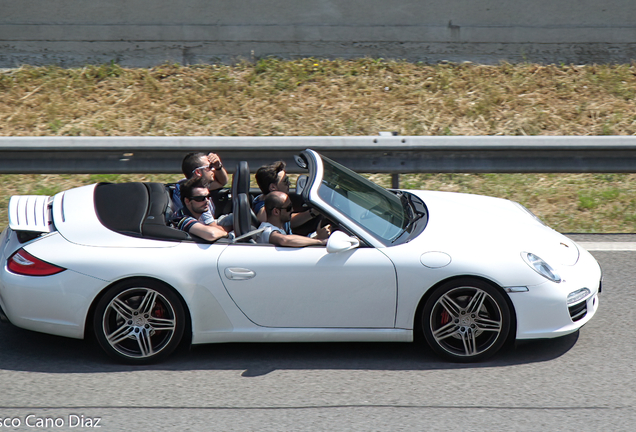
(319, 97)
(322, 97)
(566, 202)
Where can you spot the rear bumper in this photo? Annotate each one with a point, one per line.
(56, 304)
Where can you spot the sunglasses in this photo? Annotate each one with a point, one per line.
(200, 198)
(210, 167)
(287, 209)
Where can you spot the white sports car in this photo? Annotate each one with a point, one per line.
(468, 272)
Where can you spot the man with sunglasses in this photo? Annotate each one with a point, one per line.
(272, 178)
(195, 198)
(269, 178)
(278, 208)
(207, 167)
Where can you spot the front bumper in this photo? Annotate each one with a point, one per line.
(543, 312)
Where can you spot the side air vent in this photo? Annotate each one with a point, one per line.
(578, 311)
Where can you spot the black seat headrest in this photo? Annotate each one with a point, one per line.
(242, 214)
(241, 179)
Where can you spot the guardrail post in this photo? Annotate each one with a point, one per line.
(395, 181)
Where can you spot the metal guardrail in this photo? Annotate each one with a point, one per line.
(382, 154)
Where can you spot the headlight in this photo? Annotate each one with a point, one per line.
(541, 267)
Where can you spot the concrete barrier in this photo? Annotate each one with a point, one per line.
(150, 32)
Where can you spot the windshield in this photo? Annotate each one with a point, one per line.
(377, 210)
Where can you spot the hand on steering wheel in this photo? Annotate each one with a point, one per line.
(323, 232)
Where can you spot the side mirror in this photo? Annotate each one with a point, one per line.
(340, 242)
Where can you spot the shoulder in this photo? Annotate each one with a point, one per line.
(266, 226)
(207, 217)
(176, 194)
(269, 227)
(258, 203)
(177, 186)
(263, 237)
(185, 223)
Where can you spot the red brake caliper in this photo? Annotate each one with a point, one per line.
(158, 311)
(445, 318)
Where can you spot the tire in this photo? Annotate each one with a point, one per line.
(466, 320)
(139, 321)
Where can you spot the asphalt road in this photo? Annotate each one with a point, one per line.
(581, 382)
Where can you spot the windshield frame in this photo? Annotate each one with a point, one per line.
(311, 193)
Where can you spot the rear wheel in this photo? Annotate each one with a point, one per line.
(466, 320)
(139, 322)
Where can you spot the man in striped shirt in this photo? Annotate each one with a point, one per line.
(195, 197)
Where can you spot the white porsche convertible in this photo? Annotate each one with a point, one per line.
(469, 273)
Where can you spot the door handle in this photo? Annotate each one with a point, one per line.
(237, 273)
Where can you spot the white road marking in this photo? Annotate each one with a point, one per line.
(608, 246)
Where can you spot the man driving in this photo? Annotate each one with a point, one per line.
(274, 177)
(278, 208)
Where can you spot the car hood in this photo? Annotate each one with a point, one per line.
(481, 224)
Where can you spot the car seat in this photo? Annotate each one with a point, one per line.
(245, 220)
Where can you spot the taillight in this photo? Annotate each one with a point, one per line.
(24, 263)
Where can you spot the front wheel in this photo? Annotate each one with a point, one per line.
(466, 320)
(139, 322)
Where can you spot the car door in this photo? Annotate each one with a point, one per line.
(308, 287)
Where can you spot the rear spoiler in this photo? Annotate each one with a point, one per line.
(31, 213)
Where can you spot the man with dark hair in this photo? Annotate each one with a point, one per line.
(207, 166)
(210, 169)
(278, 208)
(271, 178)
(195, 197)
